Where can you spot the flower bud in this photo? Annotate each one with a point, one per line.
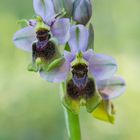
(82, 11)
(67, 5)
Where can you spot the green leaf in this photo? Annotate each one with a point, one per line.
(91, 37)
(93, 102)
(105, 112)
(71, 104)
(56, 63)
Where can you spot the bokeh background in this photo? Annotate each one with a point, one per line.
(30, 108)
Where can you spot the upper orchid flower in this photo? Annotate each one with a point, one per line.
(58, 27)
(43, 34)
(92, 73)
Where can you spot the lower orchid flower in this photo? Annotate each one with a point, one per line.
(43, 35)
(91, 81)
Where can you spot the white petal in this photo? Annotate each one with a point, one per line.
(101, 66)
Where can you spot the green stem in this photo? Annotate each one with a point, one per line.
(72, 122)
(73, 125)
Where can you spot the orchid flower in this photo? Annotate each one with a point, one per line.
(87, 78)
(43, 35)
(92, 74)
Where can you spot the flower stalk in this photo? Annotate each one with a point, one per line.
(73, 125)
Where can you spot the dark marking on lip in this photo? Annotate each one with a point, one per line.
(43, 48)
(75, 92)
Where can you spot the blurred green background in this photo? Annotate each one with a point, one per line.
(30, 108)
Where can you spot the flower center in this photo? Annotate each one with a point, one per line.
(79, 72)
